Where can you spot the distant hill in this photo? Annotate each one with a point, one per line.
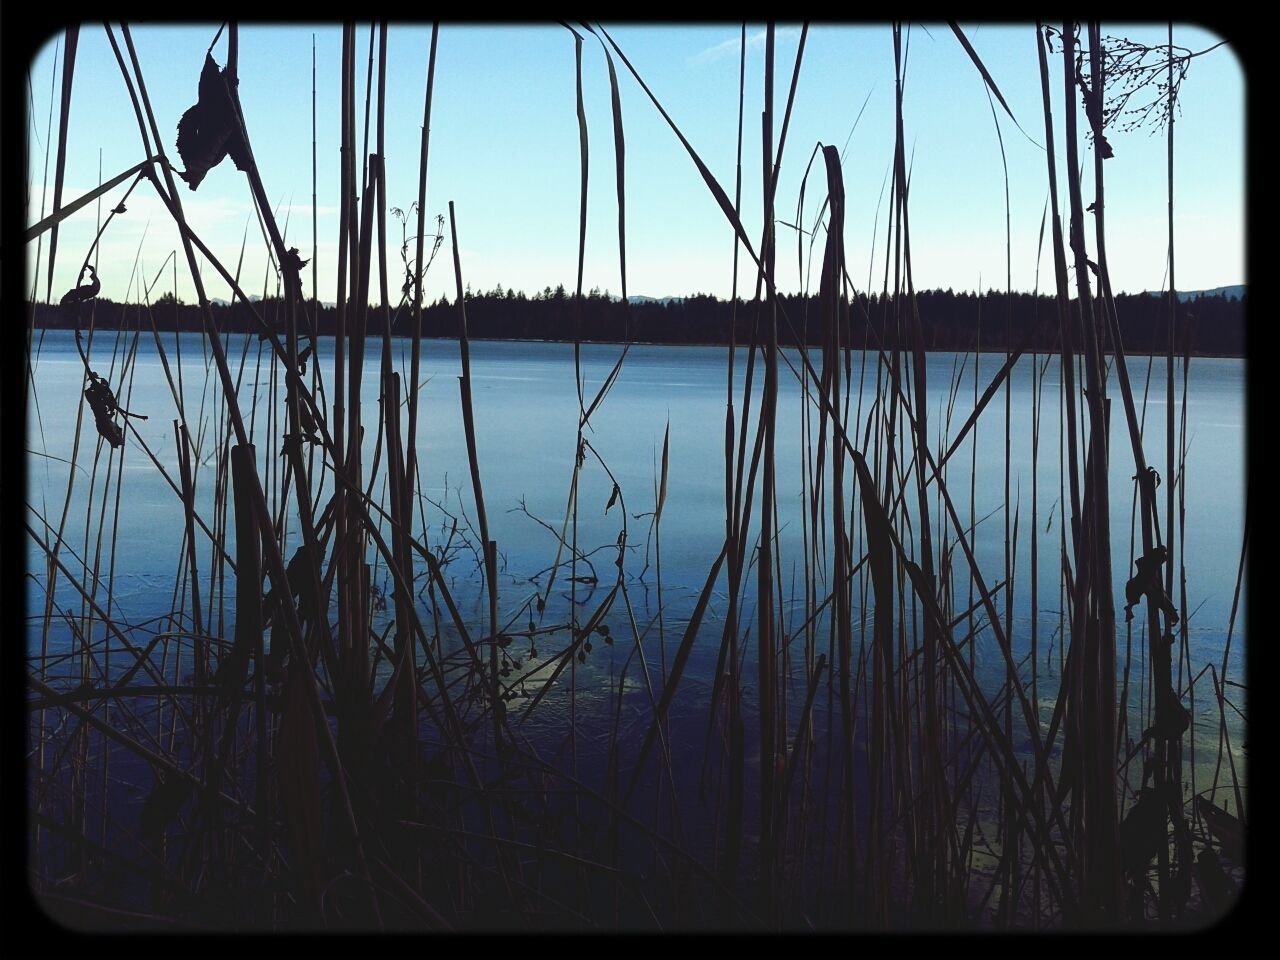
(947, 320)
(1235, 291)
(255, 298)
(640, 298)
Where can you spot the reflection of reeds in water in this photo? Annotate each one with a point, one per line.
(311, 771)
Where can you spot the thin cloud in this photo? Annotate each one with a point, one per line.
(755, 41)
(322, 210)
(201, 213)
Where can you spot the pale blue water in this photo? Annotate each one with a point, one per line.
(525, 411)
(526, 407)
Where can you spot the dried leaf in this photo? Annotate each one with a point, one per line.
(291, 264)
(208, 131)
(662, 488)
(103, 404)
(86, 291)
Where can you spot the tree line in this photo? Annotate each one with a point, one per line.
(1211, 325)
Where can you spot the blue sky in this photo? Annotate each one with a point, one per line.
(504, 148)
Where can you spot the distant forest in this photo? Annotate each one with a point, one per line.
(1210, 325)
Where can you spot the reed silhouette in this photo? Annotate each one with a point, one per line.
(351, 719)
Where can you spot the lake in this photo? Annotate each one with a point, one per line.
(526, 410)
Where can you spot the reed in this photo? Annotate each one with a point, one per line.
(314, 749)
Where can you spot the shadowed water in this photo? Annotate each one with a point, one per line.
(526, 410)
(525, 406)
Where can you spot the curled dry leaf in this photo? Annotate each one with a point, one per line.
(105, 407)
(85, 291)
(208, 131)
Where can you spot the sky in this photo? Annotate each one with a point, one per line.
(505, 150)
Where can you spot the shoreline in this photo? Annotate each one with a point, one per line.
(662, 343)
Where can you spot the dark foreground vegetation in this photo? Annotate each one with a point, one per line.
(1213, 326)
(289, 747)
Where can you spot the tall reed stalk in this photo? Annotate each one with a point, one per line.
(310, 755)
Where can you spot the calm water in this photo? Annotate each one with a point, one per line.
(525, 406)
